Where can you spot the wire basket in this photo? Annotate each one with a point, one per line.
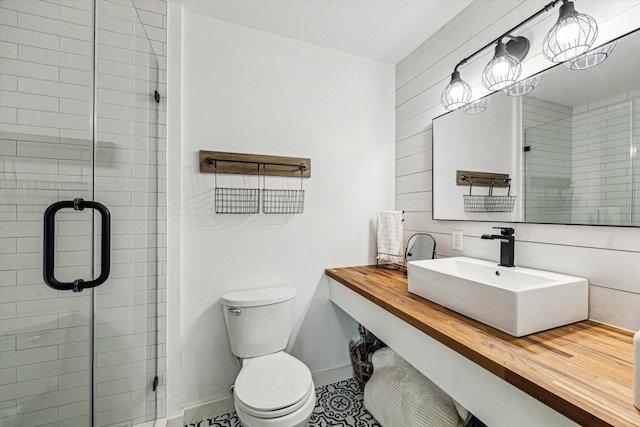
(478, 203)
(237, 200)
(282, 201)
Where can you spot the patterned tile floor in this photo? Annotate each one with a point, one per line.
(337, 405)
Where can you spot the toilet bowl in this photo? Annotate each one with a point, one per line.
(273, 388)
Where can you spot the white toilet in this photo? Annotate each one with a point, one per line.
(273, 389)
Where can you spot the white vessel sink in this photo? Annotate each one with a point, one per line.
(516, 300)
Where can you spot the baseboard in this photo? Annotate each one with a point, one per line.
(175, 421)
(204, 410)
(331, 376)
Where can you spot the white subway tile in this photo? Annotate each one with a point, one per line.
(8, 83)
(29, 101)
(24, 324)
(8, 246)
(75, 349)
(26, 293)
(76, 16)
(8, 16)
(73, 380)
(32, 7)
(116, 328)
(150, 18)
(157, 6)
(23, 357)
(51, 337)
(76, 77)
(20, 261)
(60, 120)
(7, 148)
(8, 50)
(30, 308)
(34, 418)
(113, 401)
(54, 151)
(8, 278)
(75, 106)
(54, 368)
(7, 376)
(54, 26)
(87, 6)
(29, 38)
(57, 89)
(8, 115)
(7, 310)
(7, 343)
(73, 410)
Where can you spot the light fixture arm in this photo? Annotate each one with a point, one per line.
(507, 34)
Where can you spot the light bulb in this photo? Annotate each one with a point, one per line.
(568, 31)
(456, 90)
(503, 70)
(456, 94)
(500, 68)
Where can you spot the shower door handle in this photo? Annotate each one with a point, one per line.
(49, 245)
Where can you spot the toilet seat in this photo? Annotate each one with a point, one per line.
(273, 386)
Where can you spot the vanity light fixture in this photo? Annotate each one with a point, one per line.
(591, 58)
(478, 106)
(523, 87)
(573, 34)
(457, 93)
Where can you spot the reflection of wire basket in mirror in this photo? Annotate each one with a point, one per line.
(478, 203)
(237, 200)
(489, 202)
(282, 201)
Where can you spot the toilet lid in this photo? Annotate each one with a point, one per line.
(272, 382)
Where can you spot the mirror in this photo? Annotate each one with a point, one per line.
(569, 148)
(420, 246)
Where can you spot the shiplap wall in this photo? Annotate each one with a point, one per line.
(608, 256)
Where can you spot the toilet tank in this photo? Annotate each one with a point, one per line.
(259, 321)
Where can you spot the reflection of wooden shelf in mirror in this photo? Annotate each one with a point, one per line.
(482, 179)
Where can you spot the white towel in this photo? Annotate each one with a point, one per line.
(390, 236)
(398, 395)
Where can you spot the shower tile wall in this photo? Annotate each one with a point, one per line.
(579, 166)
(547, 130)
(45, 155)
(603, 138)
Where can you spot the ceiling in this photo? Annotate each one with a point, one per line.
(384, 30)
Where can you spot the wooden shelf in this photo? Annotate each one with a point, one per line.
(254, 164)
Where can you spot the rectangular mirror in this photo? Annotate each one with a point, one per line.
(569, 148)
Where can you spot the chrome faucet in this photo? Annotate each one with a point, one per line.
(507, 245)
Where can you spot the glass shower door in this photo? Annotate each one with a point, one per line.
(126, 179)
(77, 115)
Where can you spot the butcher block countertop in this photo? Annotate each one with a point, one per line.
(583, 370)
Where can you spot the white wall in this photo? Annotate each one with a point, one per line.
(608, 256)
(243, 90)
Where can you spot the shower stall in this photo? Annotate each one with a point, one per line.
(80, 125)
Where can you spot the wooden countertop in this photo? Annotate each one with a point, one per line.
(583, 370)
